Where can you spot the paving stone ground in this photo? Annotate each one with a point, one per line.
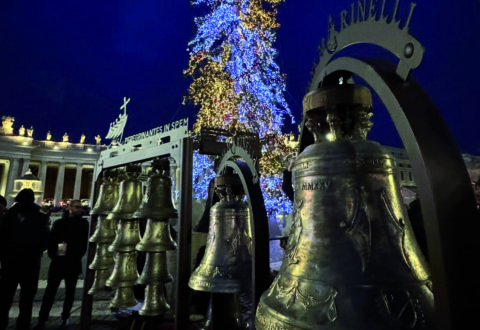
(102, 317)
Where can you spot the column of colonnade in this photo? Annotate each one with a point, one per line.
(12, 175)
(19, 167)
(78, 182)
(59, 184)
(42, 175)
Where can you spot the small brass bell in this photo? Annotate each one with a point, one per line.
(130, 197)
(107, 198)
(124, 298)
(227, 256)
(104, 231)
(103, 258)
(125, 271)
(128, 236)
(225, 268)
(157, 237)
(155, 303)
(157, 200)
(100, 281)
(351, 261)
(155, 270)
(104, 234)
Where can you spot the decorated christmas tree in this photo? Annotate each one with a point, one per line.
(238, 86)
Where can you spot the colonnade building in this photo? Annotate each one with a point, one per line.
(64, 170)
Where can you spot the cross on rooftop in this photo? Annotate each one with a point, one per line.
(125, 102)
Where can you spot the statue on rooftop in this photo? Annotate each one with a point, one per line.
(49, 136)
(7, 125)
(82, 139)
(98, 139)
(30, 131)
(21, 131)
(65, 137)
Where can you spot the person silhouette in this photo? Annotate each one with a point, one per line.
(24, 233)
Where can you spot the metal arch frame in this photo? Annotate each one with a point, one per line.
(443, 182)
(258, 224)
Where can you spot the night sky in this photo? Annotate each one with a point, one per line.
(66, 65)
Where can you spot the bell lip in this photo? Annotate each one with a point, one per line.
(121, 248)
(216, 285)
(102, 240)
(154, 282)
(145, 213)
(156, 247)
(120, 216)
(99, 211)
(101, 266)
(153, 312)
(112, 305)
(120, 284)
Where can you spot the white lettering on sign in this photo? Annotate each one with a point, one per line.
(160, 130)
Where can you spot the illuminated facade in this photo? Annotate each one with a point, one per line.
(65, 169)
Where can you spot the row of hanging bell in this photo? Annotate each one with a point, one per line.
(351, 261)
(226, 265)
(125, 274)
(104, 234)
(158, 208)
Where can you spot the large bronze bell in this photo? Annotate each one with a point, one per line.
(227, 256)
(157, 200)
(155, 303)
(155, 271)
(351, 260)
(125, 271)
(226, 265)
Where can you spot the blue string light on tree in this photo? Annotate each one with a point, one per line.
(237, 84)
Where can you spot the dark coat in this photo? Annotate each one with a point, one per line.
(24, 233)
(74, 232)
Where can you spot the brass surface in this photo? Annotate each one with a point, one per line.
(155, 271)
(103, 258)
(107, 198)
(157, 200)
(123, 298)
(104, 231)
(125, 270)
(226, 262)
(128, 236)
(155, 303)
(100, 282)
(130, 197)
(346, 94)
(351, 261)
(157, 237)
